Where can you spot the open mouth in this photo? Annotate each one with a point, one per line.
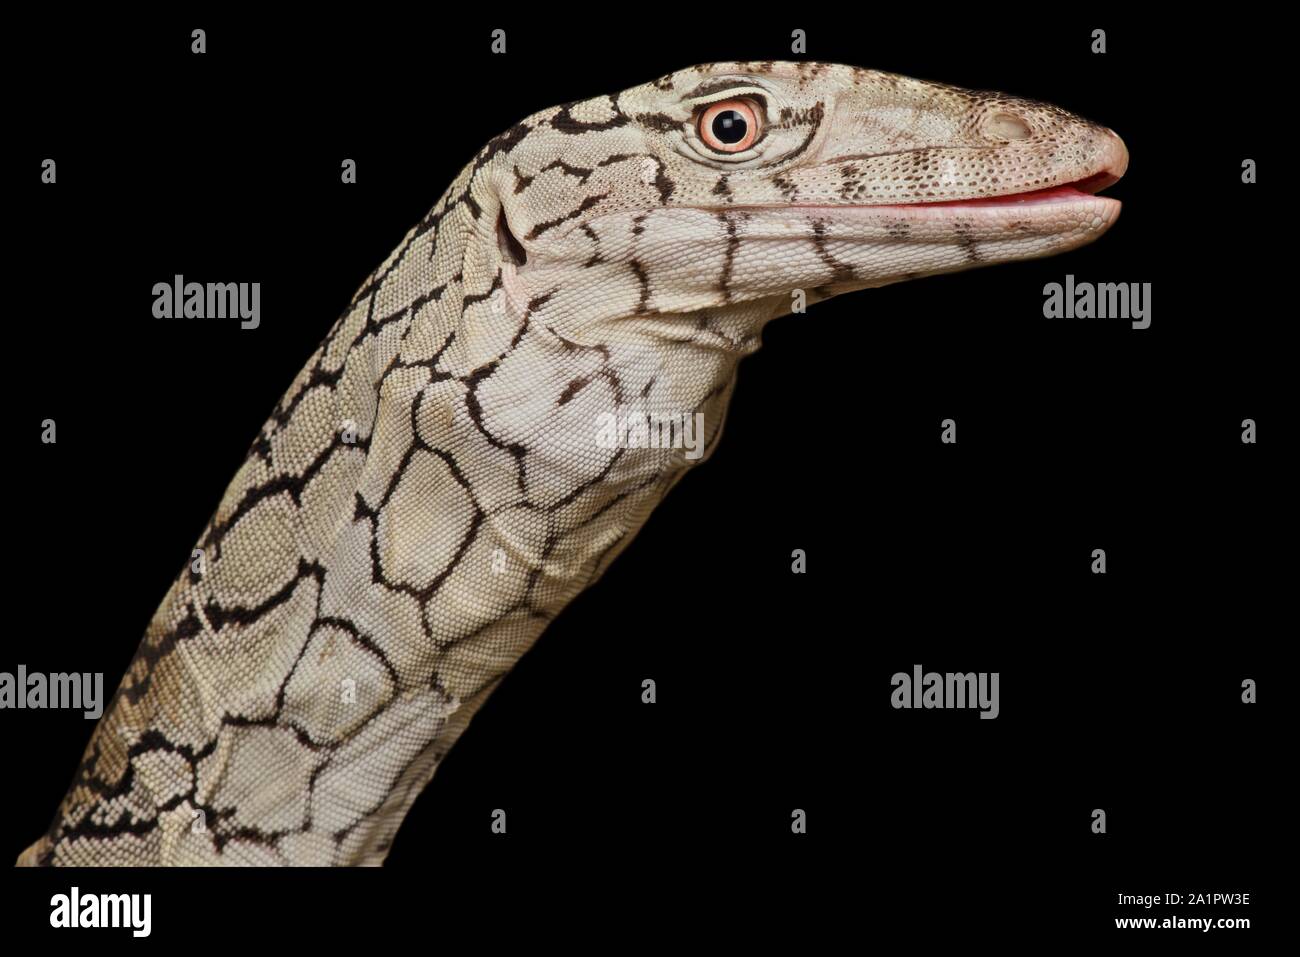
(1054, 194)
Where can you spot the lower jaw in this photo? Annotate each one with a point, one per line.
(1045, 211)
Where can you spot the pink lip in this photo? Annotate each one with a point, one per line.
(1055, 194)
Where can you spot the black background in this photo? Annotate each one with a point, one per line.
(1119, 691)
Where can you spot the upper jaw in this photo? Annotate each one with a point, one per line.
(1105, 171)
(1106, 168)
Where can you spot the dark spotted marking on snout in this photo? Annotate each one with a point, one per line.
(809, 71)
(898, 231)
(851, 184)
(790, 117)
(787, 186)
(722, 189)
(638, 224)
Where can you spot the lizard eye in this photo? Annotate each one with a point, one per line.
(730, 126)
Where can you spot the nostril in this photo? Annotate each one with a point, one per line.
(1007, 126)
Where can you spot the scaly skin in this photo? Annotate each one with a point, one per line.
(430, 492)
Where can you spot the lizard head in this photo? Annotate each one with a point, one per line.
(728, 186)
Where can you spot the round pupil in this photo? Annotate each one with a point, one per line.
(729, 127)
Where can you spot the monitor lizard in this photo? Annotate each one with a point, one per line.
(430, 492)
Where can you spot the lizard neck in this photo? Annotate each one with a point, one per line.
(431, 491)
